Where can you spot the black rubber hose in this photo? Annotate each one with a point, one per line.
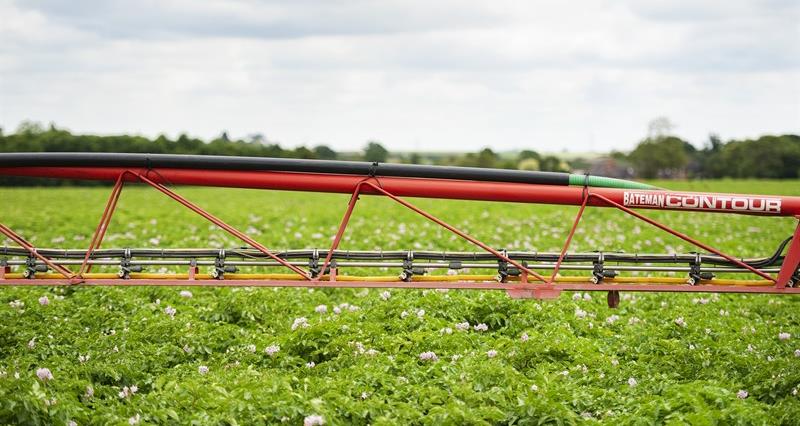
(774, 258)
(215, 162)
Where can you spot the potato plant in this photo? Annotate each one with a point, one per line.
(158, 355)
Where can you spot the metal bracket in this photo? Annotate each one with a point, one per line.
(695, 275)
(193, 269)
(503, 271)
(313, 264)
(331, 270)
(31, 268)
(4, 268)
(408, 267)
(795, 280)
(125, 267)
(598, 270)
(454, 265)
(219, 271)
(314, 268)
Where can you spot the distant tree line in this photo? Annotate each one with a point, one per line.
(487, 158)
(660, 155)
(768, 157)
(33, 137)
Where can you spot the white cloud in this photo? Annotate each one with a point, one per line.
(415, 75)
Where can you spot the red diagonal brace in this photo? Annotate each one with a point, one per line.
(455, 230)
(102, 226)
(569, 237)
(32, 250)
(685, 238)
(216, 221)
(342, 226)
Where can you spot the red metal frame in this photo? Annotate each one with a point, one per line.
(105, 219)
(523, 290)
(656, 224)
(8, 232)
(392, 188)
(456, 231)
(398, 186)
(216, 221)
(352, 204)
(686, 238)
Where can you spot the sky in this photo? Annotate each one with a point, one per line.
(440, 75)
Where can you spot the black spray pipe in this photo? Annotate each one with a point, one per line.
(217, 162)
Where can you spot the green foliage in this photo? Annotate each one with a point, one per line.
(552, 163)
(580, 367)
(374, 151)
(660, 157)
(485, 158)
(33, 137)
(528, 154)
(529, 164)
(324, 152)
(768, 157)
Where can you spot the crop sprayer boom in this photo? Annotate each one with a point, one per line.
(512, 271)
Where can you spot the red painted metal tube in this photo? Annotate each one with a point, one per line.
(569, 237)
(102, 226)
(792, 260)
(460, 285)
(438, 188)
(351, 205)
(8, 232)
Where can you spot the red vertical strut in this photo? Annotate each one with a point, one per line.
(102, 226)
(340, 232)
(569, 237)
(791, 261)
